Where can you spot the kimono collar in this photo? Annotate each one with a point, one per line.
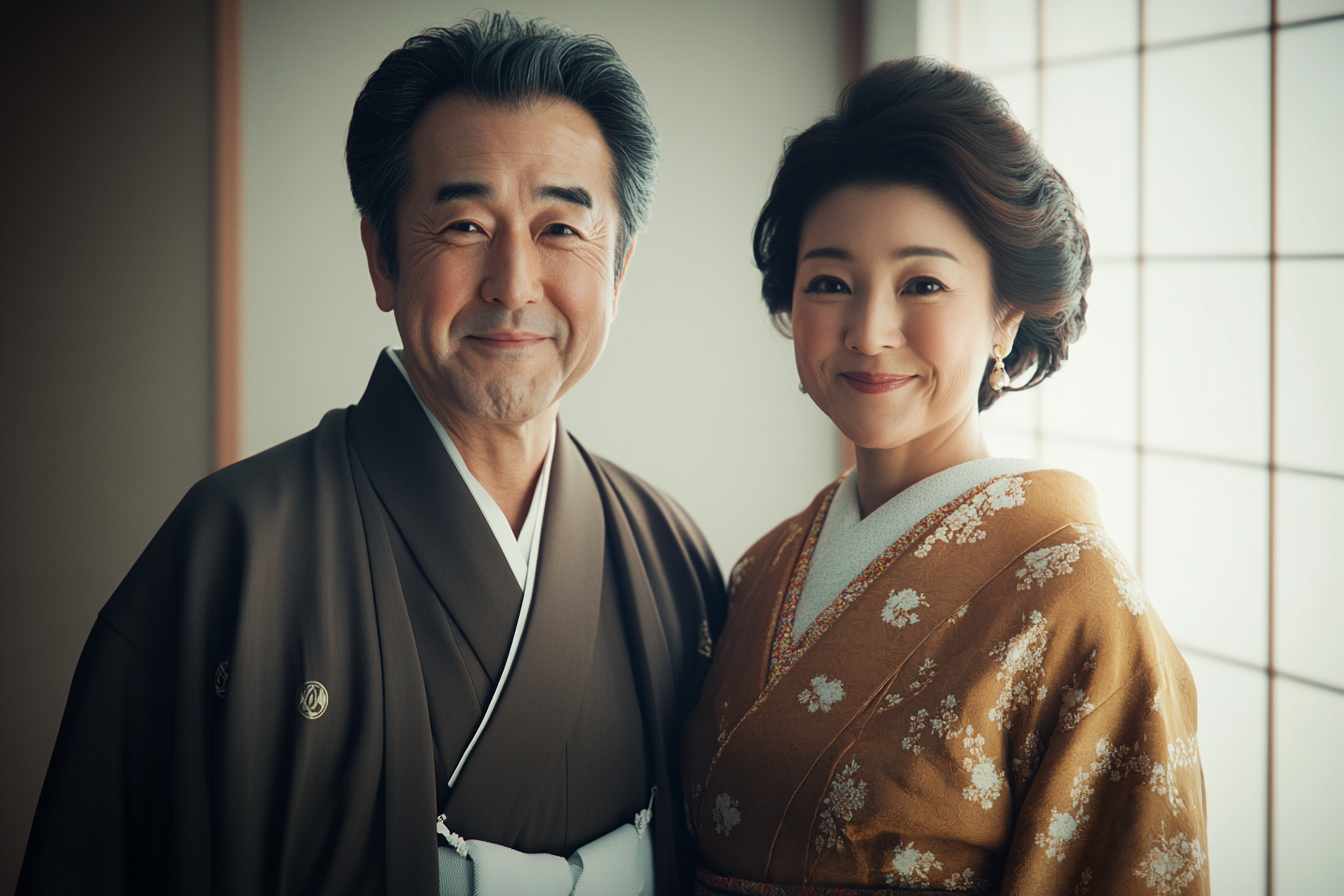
(847, 544)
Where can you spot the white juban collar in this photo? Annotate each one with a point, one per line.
(520, 551)
(848, 543)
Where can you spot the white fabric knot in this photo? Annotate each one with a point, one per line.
(644, 816)
(455, 841)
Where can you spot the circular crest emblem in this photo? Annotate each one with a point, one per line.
(222, 676)
(312, 699)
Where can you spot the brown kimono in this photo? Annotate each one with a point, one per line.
(992, 705)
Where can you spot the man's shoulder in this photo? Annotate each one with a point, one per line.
(271, 480)
(647, 501)
(239, 527)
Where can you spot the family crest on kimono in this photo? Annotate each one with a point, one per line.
(942, 674)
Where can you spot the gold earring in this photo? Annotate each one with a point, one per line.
(998, 377)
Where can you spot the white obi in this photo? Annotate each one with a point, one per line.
(615, 864)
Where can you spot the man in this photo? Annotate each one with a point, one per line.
(436, 603)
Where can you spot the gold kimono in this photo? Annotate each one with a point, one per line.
(991, 705)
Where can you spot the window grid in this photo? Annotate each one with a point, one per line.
(1144, 452)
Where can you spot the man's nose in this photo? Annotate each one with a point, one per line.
(513, 277)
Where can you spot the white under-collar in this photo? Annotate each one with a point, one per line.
(848, 543)
(521, 551)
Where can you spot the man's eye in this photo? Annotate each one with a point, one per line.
(826, 286)
(561, 230)
(464, 227)
(923, 286)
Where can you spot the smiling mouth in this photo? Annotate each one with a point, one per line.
(874, 383)
(508, 340)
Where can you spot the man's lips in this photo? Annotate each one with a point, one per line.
(508, 340)
(874, 383)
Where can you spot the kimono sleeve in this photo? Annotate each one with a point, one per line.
(1117, 802)
(99, 826)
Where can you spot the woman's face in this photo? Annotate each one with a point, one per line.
(893, 315)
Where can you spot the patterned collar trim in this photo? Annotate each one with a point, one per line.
(784, 653)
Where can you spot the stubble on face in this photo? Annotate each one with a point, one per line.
(505, 391)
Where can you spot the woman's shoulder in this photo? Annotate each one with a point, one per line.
(1081, 588)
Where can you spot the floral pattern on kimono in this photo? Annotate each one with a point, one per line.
(1029, 728)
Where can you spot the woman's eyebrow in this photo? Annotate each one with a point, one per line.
(914, 251)
(827, 252)
(907, 252)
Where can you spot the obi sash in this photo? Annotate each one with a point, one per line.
(616, 864)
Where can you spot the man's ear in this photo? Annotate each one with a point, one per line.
(620, 281)
(384, 287)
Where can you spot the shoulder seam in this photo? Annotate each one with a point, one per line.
(124, 637)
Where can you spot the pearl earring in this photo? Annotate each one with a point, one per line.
(998, 377)
(802, 388)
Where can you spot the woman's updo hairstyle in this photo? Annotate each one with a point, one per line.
(923, 122)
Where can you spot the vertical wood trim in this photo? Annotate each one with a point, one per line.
(226, 344)
(1273, 456)
(853, 39)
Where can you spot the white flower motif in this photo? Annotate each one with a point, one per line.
(987, 781)
(1045, 564)
(1172, 864)
(1062, 826)
(910, 866)
(726, 815)
(847, 797)
(962, 525)
(962, 882)
(1021, 660)
(1058, 560)
(823, 693)
(1132, 596)
(900, 607)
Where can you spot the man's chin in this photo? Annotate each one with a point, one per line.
(506, 403)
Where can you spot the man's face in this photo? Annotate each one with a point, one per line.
(506, 241)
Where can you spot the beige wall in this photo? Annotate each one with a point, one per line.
(697, 392)
(104, 393)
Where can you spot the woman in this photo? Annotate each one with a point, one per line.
(942, 674)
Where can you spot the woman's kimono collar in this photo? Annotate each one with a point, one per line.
(849, 542)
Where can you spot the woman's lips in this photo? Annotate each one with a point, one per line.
(875, 383)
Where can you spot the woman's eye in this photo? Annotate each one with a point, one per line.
(923, 286)
(828, 286)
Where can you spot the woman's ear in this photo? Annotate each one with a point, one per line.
(1006, 332)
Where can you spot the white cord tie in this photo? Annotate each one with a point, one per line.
(644, 816)
(455, 841)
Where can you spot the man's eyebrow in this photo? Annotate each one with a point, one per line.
(451, 192)
(573, 195)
